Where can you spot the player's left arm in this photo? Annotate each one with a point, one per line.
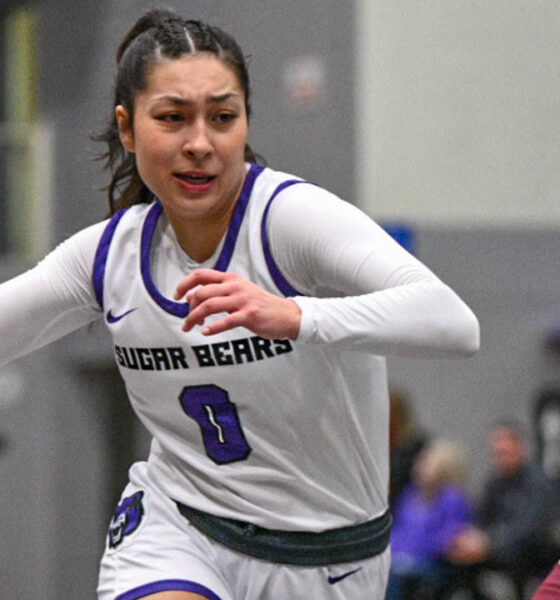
(362, 289)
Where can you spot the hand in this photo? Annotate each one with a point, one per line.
(211, 292)
(469, 547)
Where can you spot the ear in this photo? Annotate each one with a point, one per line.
(125, 127)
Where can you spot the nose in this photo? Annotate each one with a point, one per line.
(198, 143)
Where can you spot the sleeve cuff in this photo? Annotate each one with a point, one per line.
(308, 326)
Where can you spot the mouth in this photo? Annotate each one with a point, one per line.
(195, 178)
(195, 182)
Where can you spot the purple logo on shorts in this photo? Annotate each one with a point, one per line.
(126, 519)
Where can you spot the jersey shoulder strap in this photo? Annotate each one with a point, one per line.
(100, 261)
(281, 282)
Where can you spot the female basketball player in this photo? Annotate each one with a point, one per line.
(250, 311)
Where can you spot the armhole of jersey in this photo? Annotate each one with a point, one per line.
(281, 282)
(100, 261)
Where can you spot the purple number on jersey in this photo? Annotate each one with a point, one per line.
(211, 408)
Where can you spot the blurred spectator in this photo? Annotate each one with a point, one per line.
(432, 510)
(547, 434)
(512, 514)
(547, 429)
(406, 441)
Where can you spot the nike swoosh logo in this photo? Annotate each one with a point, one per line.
(111, 318)
(333, 580)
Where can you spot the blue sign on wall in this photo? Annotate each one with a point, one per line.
(403, 234)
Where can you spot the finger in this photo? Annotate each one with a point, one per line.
(184, 286)
(229, 322)
(203, 293)
(188, 283)
(198, 277)
(212, 306)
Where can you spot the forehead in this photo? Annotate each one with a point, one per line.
(191, 76)
(504, 435)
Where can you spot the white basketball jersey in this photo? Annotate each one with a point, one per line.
(282, 434)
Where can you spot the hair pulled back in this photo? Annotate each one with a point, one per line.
(158, 34)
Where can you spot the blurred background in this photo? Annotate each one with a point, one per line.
(439, 118)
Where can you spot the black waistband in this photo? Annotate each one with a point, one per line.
(346, 544)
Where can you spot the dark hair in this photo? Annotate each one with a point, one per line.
(158, 33)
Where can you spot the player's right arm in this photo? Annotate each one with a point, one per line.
(51, 299)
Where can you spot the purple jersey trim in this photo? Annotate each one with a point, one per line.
(100, 261)
(237, 218)
(281, 282)
(181, 309)
(166, 585)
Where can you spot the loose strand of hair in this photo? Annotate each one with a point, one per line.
(189, 39)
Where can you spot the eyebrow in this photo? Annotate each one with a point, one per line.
(212, 99)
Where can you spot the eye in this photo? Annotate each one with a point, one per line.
(171, 117)
(225, 117)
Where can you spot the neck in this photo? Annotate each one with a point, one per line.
(198, 239)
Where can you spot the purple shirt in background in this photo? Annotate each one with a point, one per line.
(424, 528)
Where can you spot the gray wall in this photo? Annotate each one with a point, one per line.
(458, 109)
(70, 436)
(511, 280)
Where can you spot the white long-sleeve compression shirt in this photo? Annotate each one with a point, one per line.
(362, 290)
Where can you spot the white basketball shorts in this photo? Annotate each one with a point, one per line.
(152, 548)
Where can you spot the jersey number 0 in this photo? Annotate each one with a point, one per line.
(216, 415)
